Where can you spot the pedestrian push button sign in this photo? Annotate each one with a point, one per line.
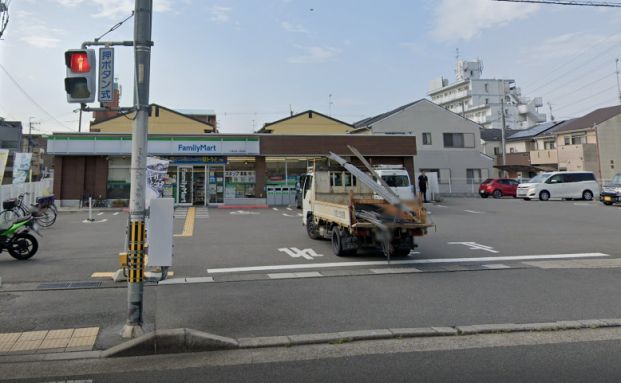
(106, 75)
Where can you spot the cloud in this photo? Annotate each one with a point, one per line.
(41, 41)
(115, 8)
(314, 55)
(293, 28)
(569, 45)
(220, 13)
(465, 19)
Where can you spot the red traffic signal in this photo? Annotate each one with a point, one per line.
(80, 80)
(79, 62)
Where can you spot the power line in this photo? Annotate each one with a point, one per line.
(576, 57)
(568, 2)
(32, 99)
(588, 97)
(582, 66)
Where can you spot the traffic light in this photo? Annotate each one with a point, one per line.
(80, 81)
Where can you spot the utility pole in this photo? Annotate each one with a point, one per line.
(618, 85)
(80, 123)
(28, 142)
(136, 230)
(502, 135)
(330, 105)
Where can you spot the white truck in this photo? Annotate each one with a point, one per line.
(343, 207)
(398, 179)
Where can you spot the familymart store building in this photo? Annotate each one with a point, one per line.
(210, 169)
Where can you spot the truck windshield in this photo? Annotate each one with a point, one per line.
(397, 180)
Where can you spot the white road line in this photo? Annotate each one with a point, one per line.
(100, 221)
(440, 206)
(275, 208)
(99, 213)
(473, 211)
(289, 209)
(117, 213)
(408, 262)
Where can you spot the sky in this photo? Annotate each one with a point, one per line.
(252, 61)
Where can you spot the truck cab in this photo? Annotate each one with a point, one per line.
(398, 179)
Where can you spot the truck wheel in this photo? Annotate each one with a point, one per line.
(311, 227)
(337, 243)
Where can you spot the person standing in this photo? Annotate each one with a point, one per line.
(422, 185)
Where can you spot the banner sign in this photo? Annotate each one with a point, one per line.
(4, 156)
(105, 91)
(157, 172)
(21, 167)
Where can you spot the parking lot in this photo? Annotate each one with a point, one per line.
(238, 241)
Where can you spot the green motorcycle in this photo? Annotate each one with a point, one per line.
(15, 237)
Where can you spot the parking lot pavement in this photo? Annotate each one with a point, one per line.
(486, 231)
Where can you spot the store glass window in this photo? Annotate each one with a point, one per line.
(240, 178)
(275, 171)
(118, 178)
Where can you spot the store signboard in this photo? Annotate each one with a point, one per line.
(166, 146)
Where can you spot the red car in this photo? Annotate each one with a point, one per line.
(498, 187)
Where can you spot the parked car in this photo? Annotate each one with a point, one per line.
(498, 187)
(611, 193)
(565, 185)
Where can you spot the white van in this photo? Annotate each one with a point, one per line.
(398, 179)
(574, 185)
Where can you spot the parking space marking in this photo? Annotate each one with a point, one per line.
(473, 211)
(290, 209)
(475, 246)
(100, 221)
(188, 226)
(117, 213)
(275, 208)
(289, 215)
(404, 262)
(294, 252)
(440, 206)
(100, 213)
(244, 212)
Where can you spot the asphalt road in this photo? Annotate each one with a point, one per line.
(240, 304)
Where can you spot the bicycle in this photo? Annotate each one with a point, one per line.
(44, 211)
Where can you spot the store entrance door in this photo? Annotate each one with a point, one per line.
(185, 177)
(215, 188)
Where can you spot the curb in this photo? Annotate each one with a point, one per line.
(182, 340)
(196, 341)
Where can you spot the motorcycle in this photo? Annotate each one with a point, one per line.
(15, 237)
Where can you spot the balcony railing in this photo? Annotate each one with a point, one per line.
(514, 159)
(543, 157)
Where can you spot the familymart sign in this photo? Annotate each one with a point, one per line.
(121, 145)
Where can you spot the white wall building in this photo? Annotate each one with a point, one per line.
(482, 100)
(447, 144)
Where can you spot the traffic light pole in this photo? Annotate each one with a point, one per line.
(136, 229)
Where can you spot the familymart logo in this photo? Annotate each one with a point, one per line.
(196, 148)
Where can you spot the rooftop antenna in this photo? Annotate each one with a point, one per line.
(456, 54)
(290, 110)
